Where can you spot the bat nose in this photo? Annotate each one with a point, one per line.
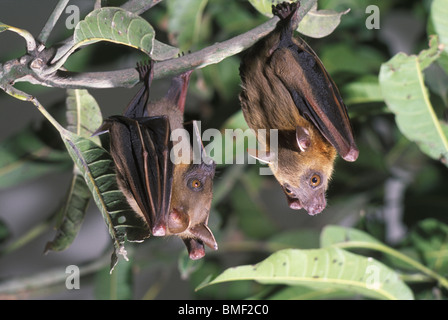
(316, 205)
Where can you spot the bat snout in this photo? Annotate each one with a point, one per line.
(312, 205)
(316, 204)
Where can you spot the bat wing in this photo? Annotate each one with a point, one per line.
(313, 91)
(141, 148)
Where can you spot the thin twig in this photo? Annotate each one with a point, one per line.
(139, 6)
(54, 17)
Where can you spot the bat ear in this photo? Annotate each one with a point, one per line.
(197, 136)
(303, 138)
(268, 157)
(203, 233)
(103, 129)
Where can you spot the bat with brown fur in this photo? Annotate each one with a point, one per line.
(286, 87)
(172, 196)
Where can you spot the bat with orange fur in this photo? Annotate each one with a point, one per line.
(172, 197)
(286, 87)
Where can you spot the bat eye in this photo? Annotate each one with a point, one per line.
(315, 180)
(288, 191)
(195, 184)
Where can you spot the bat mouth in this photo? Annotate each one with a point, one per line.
(294, 203)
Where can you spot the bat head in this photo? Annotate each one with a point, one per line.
(191, 199)
(190, 206)
(303, 165)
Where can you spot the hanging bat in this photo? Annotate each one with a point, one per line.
(286, 87)
(172, 197)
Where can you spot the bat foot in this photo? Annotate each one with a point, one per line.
(146, 71)
(285, 10)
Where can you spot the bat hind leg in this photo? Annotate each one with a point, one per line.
(146, 71)
(285, 10)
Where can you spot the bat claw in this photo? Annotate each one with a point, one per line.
(285, 10)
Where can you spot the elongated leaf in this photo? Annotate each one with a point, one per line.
(83, 114)
(316, 24)
(80, 111)
(323, 268)
(403, 88)
(83, 118)
(115, 25)
(27, 155)
(71, 215)
(97, 168)
(335, 234)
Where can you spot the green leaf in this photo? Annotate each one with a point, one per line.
(364, 90)
(322, 268)
(28, 155)
(115, 25)
(83, 118)
(320, 23)
(350, 57)
(316, 23)
(97, 168)
(403, 88)
(430, 237)
(185, 21)
(332, 235)
(304, 293)
(71, 215)
(439, 12)
(348, 238)
(83, 114)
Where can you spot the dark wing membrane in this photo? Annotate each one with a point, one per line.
(315, 95)
(140, 149)
(159, 167)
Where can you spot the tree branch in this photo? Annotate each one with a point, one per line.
(129, 77)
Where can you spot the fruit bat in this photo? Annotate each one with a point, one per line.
(173, 197)
(286, 87)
